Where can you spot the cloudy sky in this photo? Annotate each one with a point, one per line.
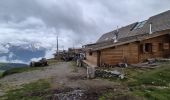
(77, 22)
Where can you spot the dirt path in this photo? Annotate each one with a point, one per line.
(62, 75)
(57, 70)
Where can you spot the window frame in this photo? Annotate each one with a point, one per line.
(146, 48)
(165, 45)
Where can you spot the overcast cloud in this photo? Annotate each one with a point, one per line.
(77, 22)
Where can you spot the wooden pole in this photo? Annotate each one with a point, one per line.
(57, 45)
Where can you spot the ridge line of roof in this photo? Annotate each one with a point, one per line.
(130, 27)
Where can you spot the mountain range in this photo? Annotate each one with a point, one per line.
(22, 52)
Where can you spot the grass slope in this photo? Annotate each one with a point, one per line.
(144, 84)
(1, 73)
(33, 91)
(12, 68)
(7, 66)
(153, 84)
(20, 70)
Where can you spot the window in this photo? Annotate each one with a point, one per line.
(148, 47)
(140, 25)
(163, 46)
(90, 53)
(106, 39)
(166, 46)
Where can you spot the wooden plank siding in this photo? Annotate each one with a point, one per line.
(156, 52)
(131, 52)
(92, 58)
(119, 53)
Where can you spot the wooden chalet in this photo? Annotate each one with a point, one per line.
(133, 43)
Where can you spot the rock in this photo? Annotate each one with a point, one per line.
(70, 95)
(1, 93)
(151, 61)
(115, 72)
(124, 65)
(109, 74)
(122, 76)
(42, 62)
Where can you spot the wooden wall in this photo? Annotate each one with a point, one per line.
(156, 52)
(120, 53)
(92, 58)
(132, 52)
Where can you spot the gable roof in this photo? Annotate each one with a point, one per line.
(159, 22)
(123, 32)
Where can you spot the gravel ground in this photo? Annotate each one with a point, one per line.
(18, 79)
(61, 74)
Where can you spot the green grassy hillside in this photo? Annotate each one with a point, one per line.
(5, 67)
(152, 84)
(1, 73)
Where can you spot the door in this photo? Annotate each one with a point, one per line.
(98, 58)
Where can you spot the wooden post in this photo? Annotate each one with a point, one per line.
(90, 72)
(98, 58)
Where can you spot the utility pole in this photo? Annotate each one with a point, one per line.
(63, 47)
(57, 45)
